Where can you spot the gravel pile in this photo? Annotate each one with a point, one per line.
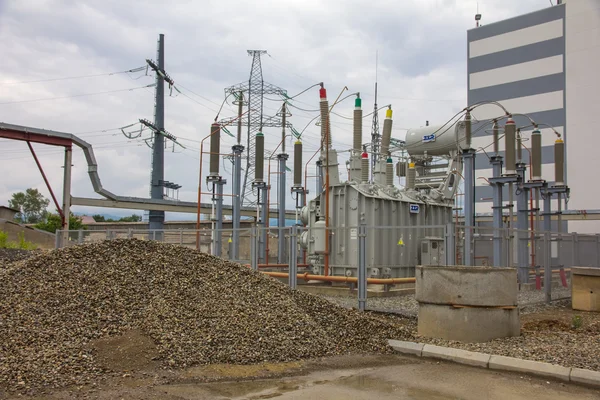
(11, 255)
(194, 308)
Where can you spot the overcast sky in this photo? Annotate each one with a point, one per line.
(422, 73)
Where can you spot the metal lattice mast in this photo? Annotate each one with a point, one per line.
(255, 120)
(255, 89)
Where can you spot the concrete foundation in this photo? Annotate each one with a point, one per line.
(467, 304)
(468, 324)
(585, 289)
(469, 286)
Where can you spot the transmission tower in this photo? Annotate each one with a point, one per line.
(255, 90)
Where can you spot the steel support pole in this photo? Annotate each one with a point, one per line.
(264, 214)
(547, 246)
(66, 208)
(469, 163)
(522, 233)
(319, 178)
(236, 201)
(293, 256)
(547, 267)
(450, 247)
(281, 208)
(253, 248)
(497, 211)
(362, 266)
(217, 243)
(157, 218)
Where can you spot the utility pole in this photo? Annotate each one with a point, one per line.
(157, 180)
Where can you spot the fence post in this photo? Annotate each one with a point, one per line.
(450, 249)
(253, 248)
(57, 241)
(362, 266)
(597, 250)
(80, 237)
(180, 237)
(129, 233)
(574, 249)
(293, 256)
(547, 267)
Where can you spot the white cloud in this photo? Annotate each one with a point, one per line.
(421, 46)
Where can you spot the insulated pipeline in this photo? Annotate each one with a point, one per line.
(536, 155)
(357, 128)
(260, 158)
(559, 162)
(386, 135)
(298, 164)
(215, 146)
(510, 130)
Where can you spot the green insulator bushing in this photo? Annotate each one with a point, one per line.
(259, 168)
(559, 162)
(357, 130)
(298, 164)
(510, 132)
(536, 155)
(215, 147)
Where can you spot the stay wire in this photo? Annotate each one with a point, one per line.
(138, 69)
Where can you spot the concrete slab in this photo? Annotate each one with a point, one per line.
(406, 347)
(585, 376)
(470, 286)
(469, 324)
(457, 355)
(532, 367)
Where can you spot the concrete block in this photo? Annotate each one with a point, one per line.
(456, 355)
(406, 347)
(585, 376)
(530, 367)
(469, 286)
(585, 292)
(468, 324)
(588, 271)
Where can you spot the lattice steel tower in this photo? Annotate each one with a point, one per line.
(255, 120)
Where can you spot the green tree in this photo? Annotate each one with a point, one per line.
(32, 206)
(131, 218)
(99, 218)
(53, 223)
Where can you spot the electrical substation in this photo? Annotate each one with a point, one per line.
(472, 239)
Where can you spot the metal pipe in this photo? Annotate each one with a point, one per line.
(37, 161)
(236, 201)
(345, 279)
(67, 191)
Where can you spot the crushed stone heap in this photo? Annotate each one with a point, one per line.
(195, 308)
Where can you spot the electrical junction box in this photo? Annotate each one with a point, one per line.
(432, 251)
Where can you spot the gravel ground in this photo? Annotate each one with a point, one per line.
(548, 331)
(62, 310)
(11, 255)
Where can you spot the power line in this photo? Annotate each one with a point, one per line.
(138, 69)
(77, 95)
